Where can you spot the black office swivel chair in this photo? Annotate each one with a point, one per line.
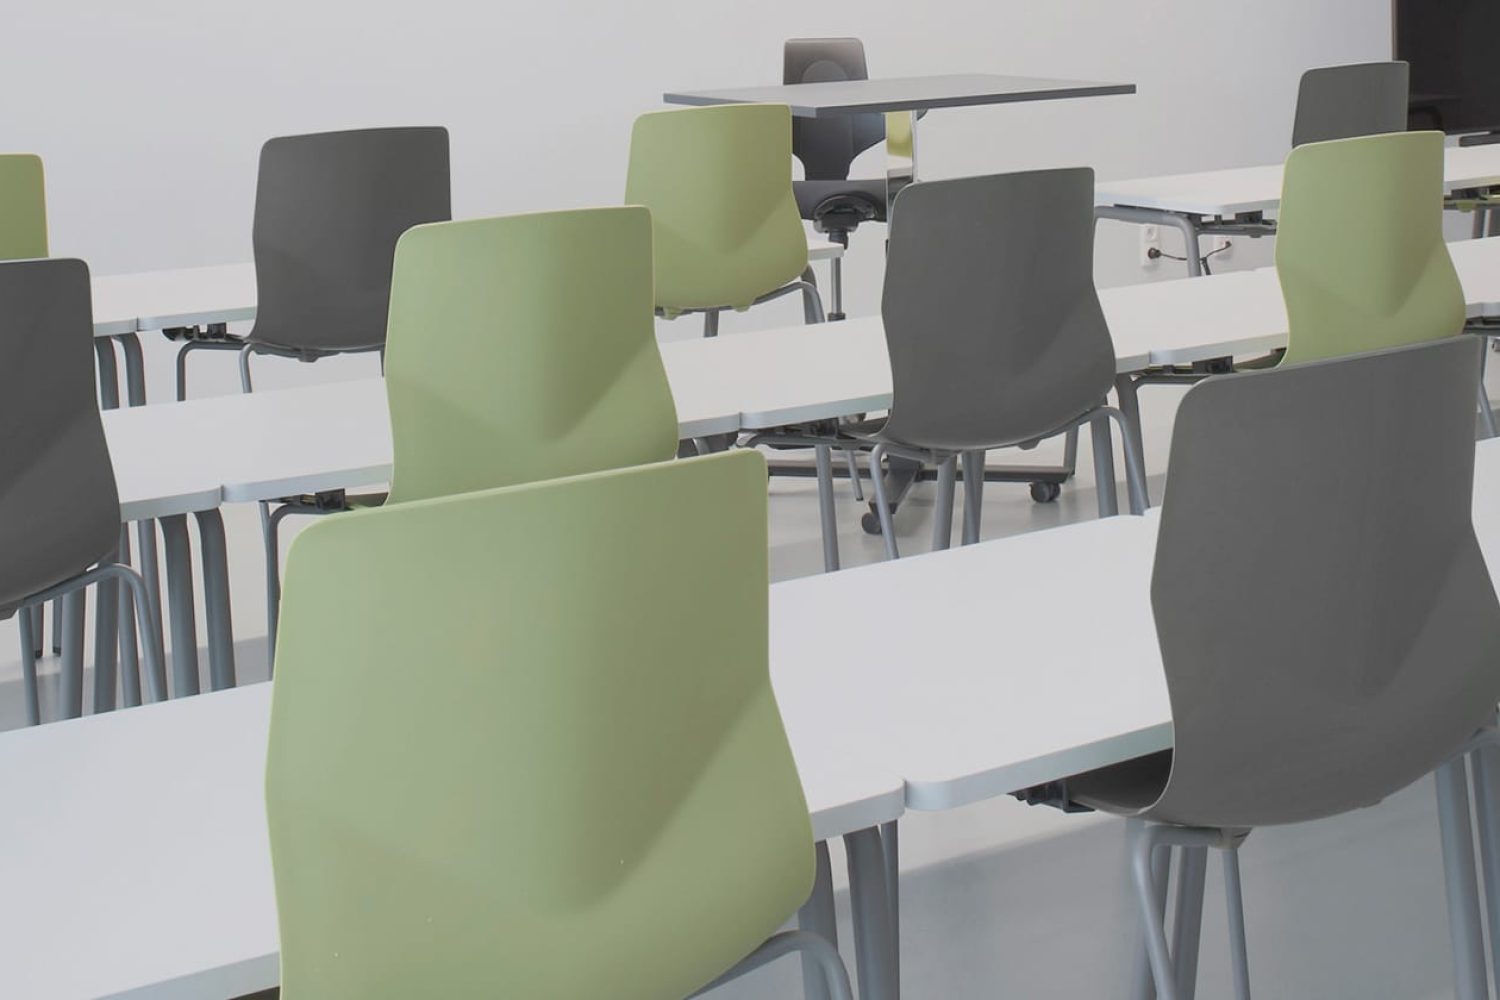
(833, 203)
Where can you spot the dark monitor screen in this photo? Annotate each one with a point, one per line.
(1455, 62)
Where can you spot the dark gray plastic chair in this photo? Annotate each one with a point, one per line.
(1324, 646)
(996, 335)
(1341, 102)
(827, 197)
(329, 208)
(59, 509)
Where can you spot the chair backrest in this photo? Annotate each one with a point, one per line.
(523, 348)
(524, 744)
(1327, 623)
(1340, 102)
(1359, 246)
(23, 207)
(718, 182)
(827, 146)
(994, 328)
(59, 510)
(329, 208)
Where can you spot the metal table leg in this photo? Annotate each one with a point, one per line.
(180, 599)
(817, 917)
(216, 600)
(130, 667)
(1485, 763)
(106, 644)
(871, 906)
(891, 853)
(71, 621)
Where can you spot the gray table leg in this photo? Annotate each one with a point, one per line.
(827, 509)
(1187, 225)
(1130, 407)
(891, 854)
(1469, 978)
(27, 624)
(71, 618)
(873, 944)
(180, 599)
(135, 370)
(216, 600)
(817, 917)
(145, 533)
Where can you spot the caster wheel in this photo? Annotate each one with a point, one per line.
(871, 523)
(1045, 492)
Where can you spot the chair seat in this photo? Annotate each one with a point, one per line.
(853, 199)
(1123, 788)
(872, 431)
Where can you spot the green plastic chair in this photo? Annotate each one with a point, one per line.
(517, 349)
(1359, 247)
(523, 744)
(522, 349)
(718, 183)
(23, 207)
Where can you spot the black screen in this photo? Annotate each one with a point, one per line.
(1453, 47)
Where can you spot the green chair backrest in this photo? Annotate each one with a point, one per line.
(523, 348)
(1359, 246)
(23, 207)
(718, 182)
(523, 743)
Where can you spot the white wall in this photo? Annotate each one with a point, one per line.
(150, 113)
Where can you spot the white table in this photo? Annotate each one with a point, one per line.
(139, 865)
(1234, 201)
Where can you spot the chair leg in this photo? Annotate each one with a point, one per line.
(942, 512)
(1104, 466)
(817, 917)
(71, 700)
(153, 657)
(1234, 900)
(27, 622)
(711, 323)
(57, 627)
(1485, 762)
(827, 511)
(1141, 985)
(1486, 411)
(814, 950)
(1143, 843)
(1187, 921)
(973, 495)
(854, 481)
(1469, 978)
(245, 383)
(38, 628)
(882, 508)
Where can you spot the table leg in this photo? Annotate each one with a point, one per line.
(891, 854)
(817, 917)
(135, 370)
(873, 944)
(106, 643)
(180, 599)
(216, 600)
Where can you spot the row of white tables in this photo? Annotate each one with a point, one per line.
(189, 458)
(1235, 200)
(154, 863)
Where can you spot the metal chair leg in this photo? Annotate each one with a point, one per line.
(38, 629)
(942, 512)
(854, 481)
(973, 495)
(1234, 901)
(1143, 843)
(27, 623)
(245, 383)
(817, 917)
(882, 508)
(1469, 977)
(1187, 921)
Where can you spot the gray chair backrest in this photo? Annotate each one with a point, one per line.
(329, 208)
(59, 510)
(994, 328)
(827, 146)
(1328, 627)
(1341, 102)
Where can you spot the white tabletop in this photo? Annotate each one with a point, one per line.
(225, 293)
(138, 863)
(1258, 189)
(1076, 684)
(917, 93)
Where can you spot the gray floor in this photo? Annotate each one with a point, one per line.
(1000, 899)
